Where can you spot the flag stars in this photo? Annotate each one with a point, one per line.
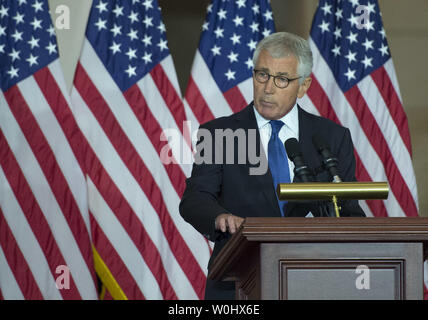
(370, 7)
(101, 24)
(339, 14)
(161, 28)
(215, 50)
(162, 45)
(367, 62)
(147, 57)
(102, 6)
(221, 14)
(115, 47)
(249, 63)
(132, 34)
(268, 15)
(351, 56)
(148, 21)
(133, 17)
(384, 50)
(324, 26)
(17, 36)
(33, 42)
(219, 32)
(3, 11)
(368, 44)
(230, 75)
(205, 26)
(36, 24)
(131, 53)
(51, 48)
(131, 71)
(118, 11)
(350, 74)
(235, 39)
(326, 9)
(337, 33)
(38, 6)
(148, 4)
(382, 33)
(369, 26)
(240, 3)
(266, 32)
(14, 54)
(354, 3)
(252, 45)
(51, 30)
(233, 57)
(254, 27)
(336, 50)
(353, 20)
(256, 9)
(352, 37)
(147, 40)
(238, 21)
(19, 18)
(116, 30)
(32, 60)
(13, 72)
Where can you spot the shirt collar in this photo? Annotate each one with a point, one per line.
(291, 120)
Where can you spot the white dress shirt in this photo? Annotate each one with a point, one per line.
(290, 129)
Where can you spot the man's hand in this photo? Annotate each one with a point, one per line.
(228, 222)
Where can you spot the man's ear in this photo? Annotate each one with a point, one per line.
(304, 87)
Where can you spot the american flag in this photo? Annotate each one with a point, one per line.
(44, 221)
(221, 78)
(125, 98)
(354, 83)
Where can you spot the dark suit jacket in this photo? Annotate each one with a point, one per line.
(219, 188)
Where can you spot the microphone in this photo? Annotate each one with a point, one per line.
(329, 161)
(301, 170)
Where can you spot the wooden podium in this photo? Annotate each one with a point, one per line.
(325, 258)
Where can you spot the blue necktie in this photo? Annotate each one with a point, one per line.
(278, 163)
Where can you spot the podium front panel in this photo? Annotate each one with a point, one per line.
(342, 271)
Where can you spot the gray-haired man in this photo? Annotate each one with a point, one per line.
(220, 195)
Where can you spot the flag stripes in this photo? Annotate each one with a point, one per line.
(122, 202)
(124, 154)
(235, 99)
(324, 109)
(20, 282)
(130, 124)
(197, 103)
(371, 153)
(392, 102)
(60, 233)
(207, 89)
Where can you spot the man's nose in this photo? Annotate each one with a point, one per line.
(269, 86)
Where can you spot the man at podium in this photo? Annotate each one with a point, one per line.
(227, 184)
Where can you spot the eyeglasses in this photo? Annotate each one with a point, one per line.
(280, 81)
